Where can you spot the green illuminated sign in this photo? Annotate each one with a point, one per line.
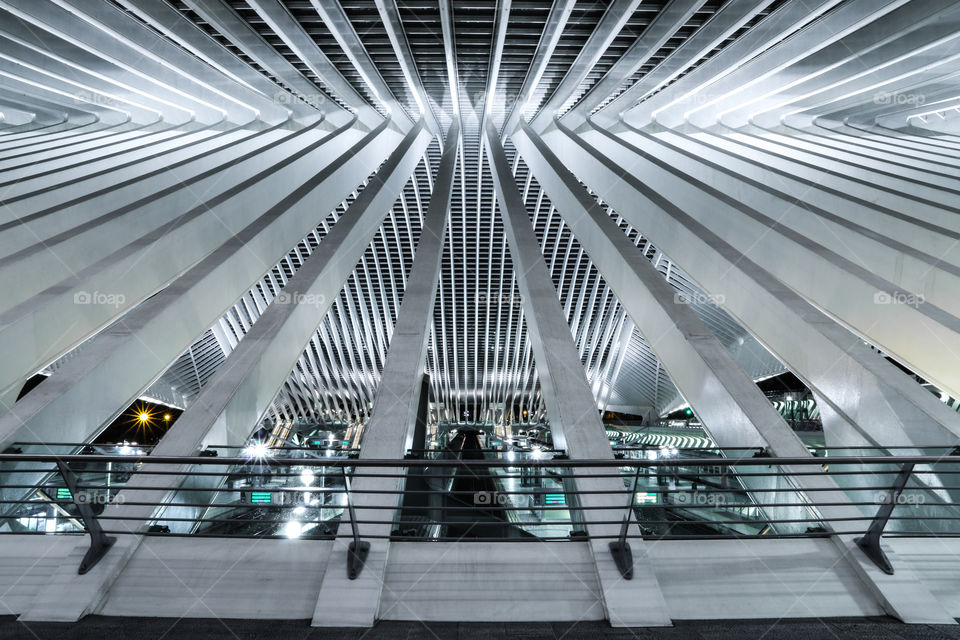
(555, 499)
(64, 494)
(261, 497)
(647, 498)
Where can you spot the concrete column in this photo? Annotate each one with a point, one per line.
(784, 321)
(721, 25)
(228, 408)
(168, 70)
(100, 226)
(842, 368)
(65, 169)
(344, 602)
(574, 417)
(246, 38)
(733, 410)
(247, 382)
(125, 359)
(781, 231)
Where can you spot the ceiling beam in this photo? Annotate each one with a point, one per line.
(341, 28)
(556, 22)
(611, 23)
(401, 47)
(666, 23)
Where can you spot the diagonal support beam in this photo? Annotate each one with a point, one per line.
(230, 404)
(250, 378)
(337, 21)
(243, 36)
(610, 25)
(733, 410)
(730, 404)
(496, 57)
(654, 36)
(758, 299)
(719, 27)
(163, 17)
(450, 54)
(401, 47)
(355, 602)
(556, 21)
(574, 417)
(198, 254)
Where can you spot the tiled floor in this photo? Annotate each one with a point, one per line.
(100, 628)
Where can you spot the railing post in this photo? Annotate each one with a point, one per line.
(99, 543)
(358, 549)
(620, 548)
(870, 542)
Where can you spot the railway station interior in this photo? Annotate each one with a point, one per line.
(495, 318)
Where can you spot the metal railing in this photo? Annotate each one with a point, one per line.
(450, 499)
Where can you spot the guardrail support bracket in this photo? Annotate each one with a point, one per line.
(623, 557)
(358, 550)
(99, 543)
(356, 557)
(870, 542)
(620, 550)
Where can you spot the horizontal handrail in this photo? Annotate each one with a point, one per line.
(618, 508)
(255, 473)
(619, 447)
(537, 497)
(415, 463)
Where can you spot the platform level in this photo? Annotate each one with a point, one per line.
(479, 578)
(107, 628)
(280, 579)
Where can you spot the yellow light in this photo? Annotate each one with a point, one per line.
(167, 417)
(142, 418)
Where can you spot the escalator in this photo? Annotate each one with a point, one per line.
(699, 501)
(456, 502)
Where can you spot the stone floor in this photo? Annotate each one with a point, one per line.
(101, 628)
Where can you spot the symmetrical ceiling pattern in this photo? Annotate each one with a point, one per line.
(171, 171)
(277, 216)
